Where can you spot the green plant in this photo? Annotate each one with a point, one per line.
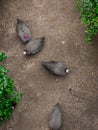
(8, 93)
(2, 56)
(89, 16)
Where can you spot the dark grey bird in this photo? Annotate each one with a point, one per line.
(34, 46)
(55, 120)
(57, 68)
(23, 31)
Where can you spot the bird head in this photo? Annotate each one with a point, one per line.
(25, 52)
(66, 70)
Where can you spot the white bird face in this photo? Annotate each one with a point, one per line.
(66, 70)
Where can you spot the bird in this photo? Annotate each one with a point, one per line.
(34, 46)
(55, 67)
(55, 119)
(23, 31)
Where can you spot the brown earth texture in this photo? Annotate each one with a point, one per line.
(58, 21)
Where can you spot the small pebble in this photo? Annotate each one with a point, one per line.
(57, 80)
(76, 44)
(39, 82)
(40, 73)
(38, 94)
(63, 42)
(92, 73)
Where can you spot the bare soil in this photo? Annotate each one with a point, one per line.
(58, 21)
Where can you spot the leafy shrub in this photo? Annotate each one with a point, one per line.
(89, 16)
(8, 94)
(2, 56)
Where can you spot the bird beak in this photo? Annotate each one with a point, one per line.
(24, 52)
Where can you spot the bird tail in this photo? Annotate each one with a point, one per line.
(43, 39)
(43, 63)
(46, 64)
(19, 21)
(57, 105)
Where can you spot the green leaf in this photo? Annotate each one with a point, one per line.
(8, 93)
(2, 56)
(89, 16)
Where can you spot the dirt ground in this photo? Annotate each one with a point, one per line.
(58, 21)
